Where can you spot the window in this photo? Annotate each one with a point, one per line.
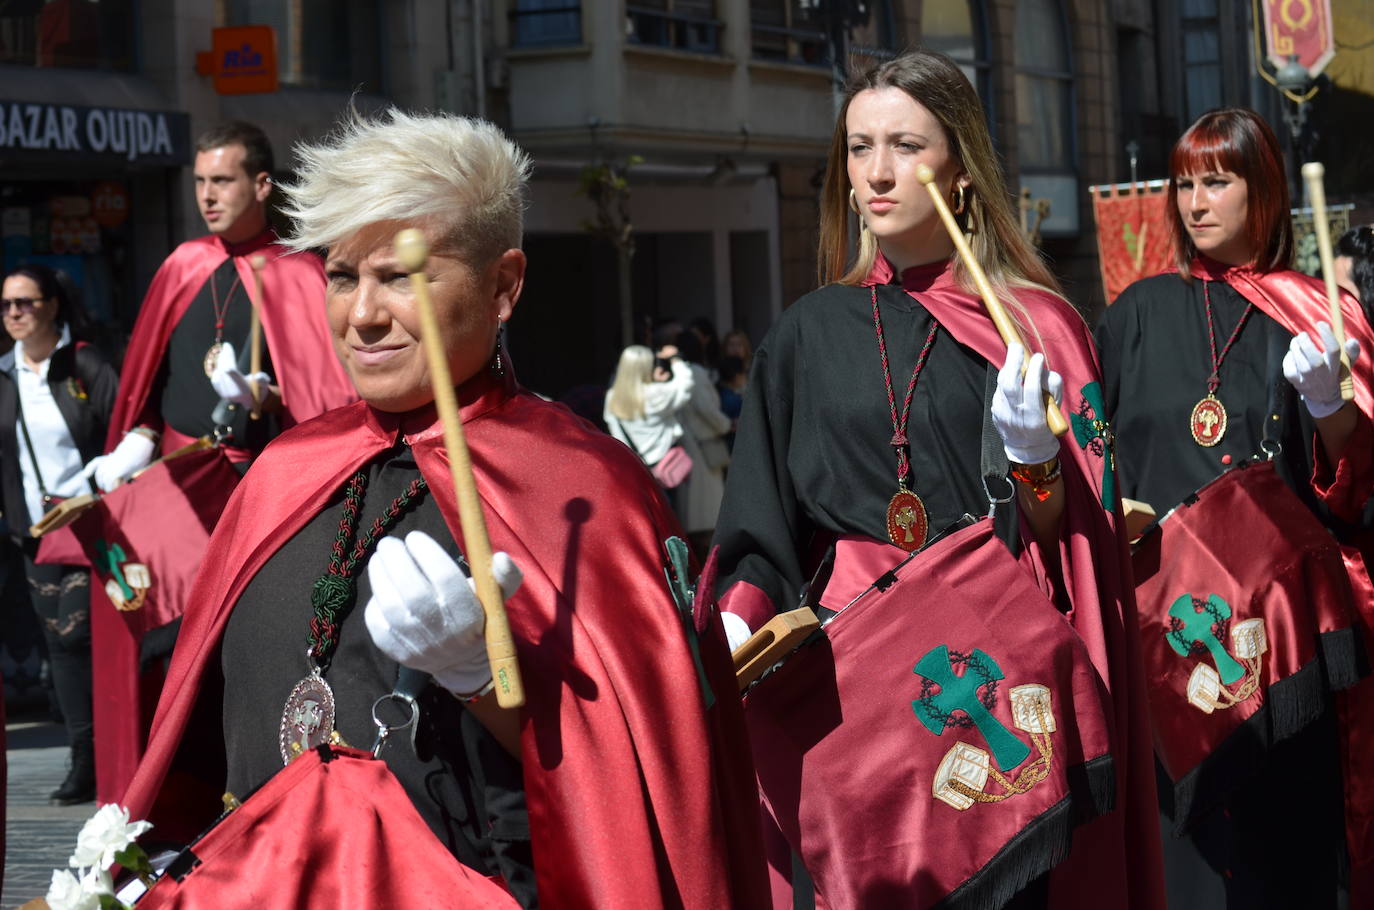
(1044, 88)
(320, 43)
(1044, 113)
(546, 22)
(956, 28)
(68, 33)
(688, 25)
(875, 40)
(1201, 57)
(789, 31)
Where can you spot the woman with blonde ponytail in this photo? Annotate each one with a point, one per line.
(883, 414)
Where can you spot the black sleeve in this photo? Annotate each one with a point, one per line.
(762, 529)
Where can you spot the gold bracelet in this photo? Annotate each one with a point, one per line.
(1038, 477)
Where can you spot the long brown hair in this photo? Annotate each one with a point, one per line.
(1237, 140)
(935, 82)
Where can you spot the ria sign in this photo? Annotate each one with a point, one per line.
(1302, 28)
(243, 60)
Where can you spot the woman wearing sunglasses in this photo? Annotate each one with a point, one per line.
(56, 395)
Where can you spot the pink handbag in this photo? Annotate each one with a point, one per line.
(672, 469)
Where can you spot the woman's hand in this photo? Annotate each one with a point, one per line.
(667, 352)
(423, 613)
(1316, 374)
(1018, 408)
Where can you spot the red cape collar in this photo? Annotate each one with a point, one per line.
(479, 395)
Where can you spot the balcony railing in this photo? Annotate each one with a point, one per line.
(684, 31)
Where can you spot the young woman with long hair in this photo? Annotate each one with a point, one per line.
(883, 411)
(1228, 361)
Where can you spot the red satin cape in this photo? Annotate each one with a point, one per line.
(293, 324)
(627, 788)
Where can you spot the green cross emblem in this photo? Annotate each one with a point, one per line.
(1193, 622)
(961, 693)
(1094, 434)
(110, 558)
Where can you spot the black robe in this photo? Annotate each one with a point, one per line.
(812, 458)
(1278, 839)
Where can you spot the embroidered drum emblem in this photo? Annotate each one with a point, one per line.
(965, 699)
(129, 582)
(1196, 629)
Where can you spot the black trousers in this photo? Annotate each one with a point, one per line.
(61, 597)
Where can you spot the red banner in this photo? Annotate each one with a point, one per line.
(1132, 233)
(1301, 27)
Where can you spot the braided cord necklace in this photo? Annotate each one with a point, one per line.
(307, 719)
(1208, 419)
(221, 311)
(907, 523)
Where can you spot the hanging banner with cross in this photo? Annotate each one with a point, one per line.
(916, 736)
(1247, 621)
(1132, 232)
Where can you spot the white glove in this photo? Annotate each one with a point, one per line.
(232, 385)
(1317, 374)
(133, 453)
(736, 629)
(423, 613)
(1018, 408)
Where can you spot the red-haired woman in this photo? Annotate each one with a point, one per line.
(877, 411)
(1204, 368)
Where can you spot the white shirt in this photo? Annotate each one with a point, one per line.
(58, 458)
(658, 430)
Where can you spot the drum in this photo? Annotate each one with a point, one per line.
(940, 738)
(332, 829)
(1247, 623)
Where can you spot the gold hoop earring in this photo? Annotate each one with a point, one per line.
(959, 205)
(854, 202)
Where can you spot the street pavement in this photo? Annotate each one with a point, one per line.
(38, 837)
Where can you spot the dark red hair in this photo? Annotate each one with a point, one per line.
(1237, 140)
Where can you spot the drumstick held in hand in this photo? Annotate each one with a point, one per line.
(412, 251)
(1313, 173)
(1000, 318)
(258, 263)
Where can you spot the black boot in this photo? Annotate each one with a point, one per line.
(79, 787)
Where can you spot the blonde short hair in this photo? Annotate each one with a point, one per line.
(459, 171)
(632, 374)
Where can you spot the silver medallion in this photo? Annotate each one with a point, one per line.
(212, 358)
(307, 720)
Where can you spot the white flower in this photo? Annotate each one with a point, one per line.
(97, 881)
(105, 834)
(66, 893)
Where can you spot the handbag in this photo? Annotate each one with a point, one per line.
(672, 469)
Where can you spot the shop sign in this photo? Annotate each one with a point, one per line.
(242, 60)
(1302, 28)
(110, 202)
(145, 137)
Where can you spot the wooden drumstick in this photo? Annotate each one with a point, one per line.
(258, 263)
(1313, 173)
(412, 251)
(1000, 318)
